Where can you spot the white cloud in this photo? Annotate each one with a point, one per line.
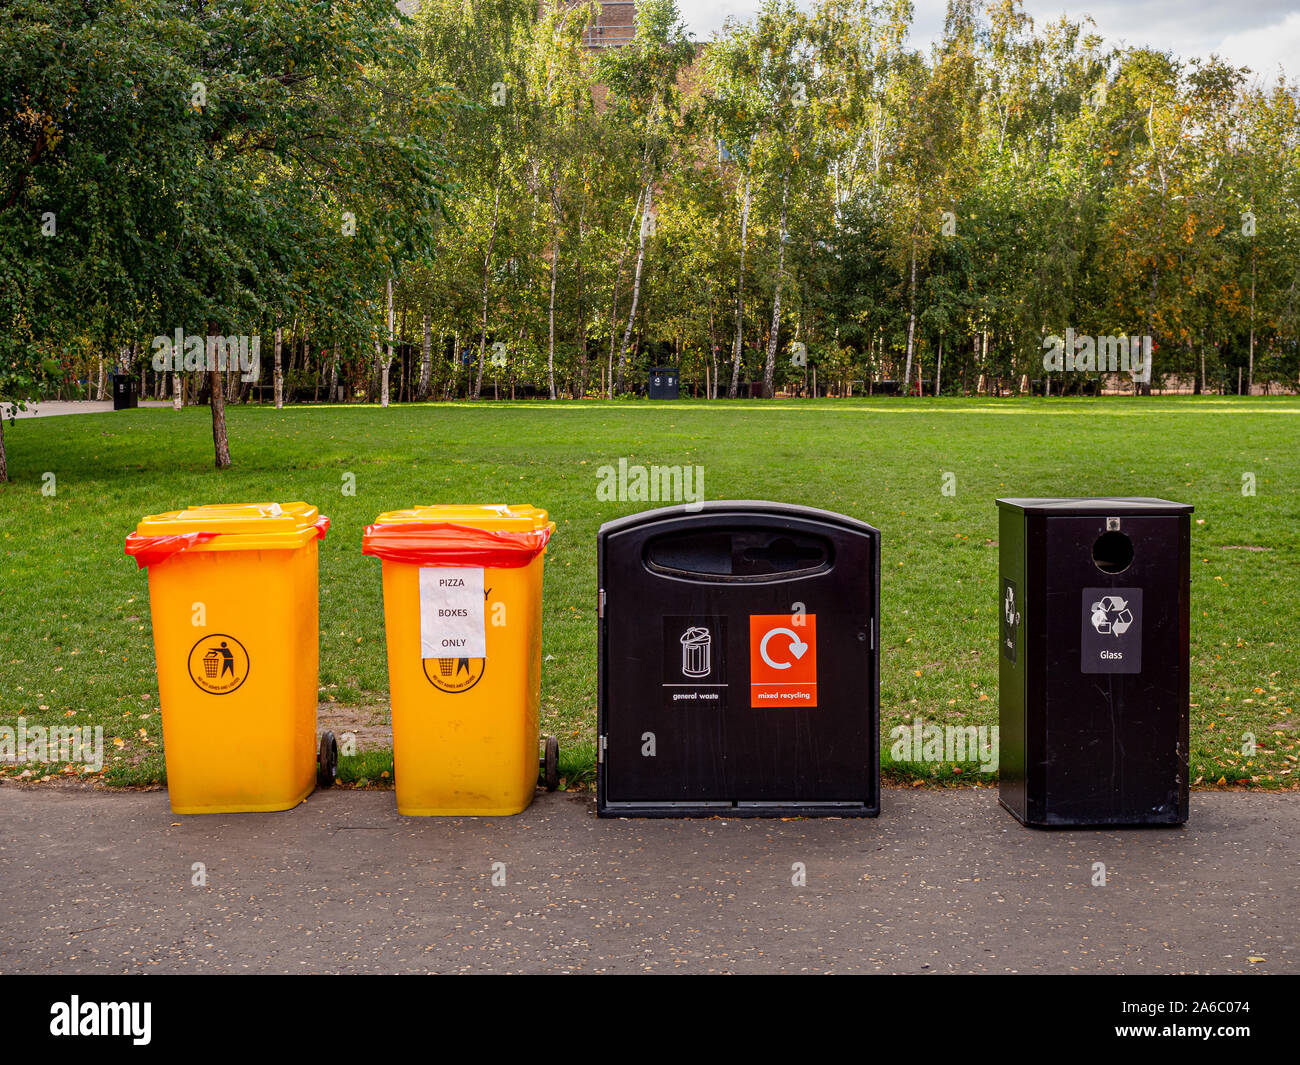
(1259, 35)
(1265, 48)
(703, 17)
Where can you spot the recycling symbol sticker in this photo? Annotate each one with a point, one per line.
(1110, 614)
(1010, 619)
(1112, 631)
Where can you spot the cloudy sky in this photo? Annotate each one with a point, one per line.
(1260, 34)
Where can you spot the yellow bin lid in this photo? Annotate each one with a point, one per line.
(518, 517)
(496, 535)
(239, 526)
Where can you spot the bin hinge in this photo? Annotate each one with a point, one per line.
(600, 751)
(600, 605)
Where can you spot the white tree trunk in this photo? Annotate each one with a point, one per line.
(911, 326)
(712, 392)
(487, 262)
(769, 367)
(426, 355)
(555, 269)
(738, 346)
(1250, 376)
(383, 373)
(306, 346)
(278, 368)
(607, 372)
(647, 220)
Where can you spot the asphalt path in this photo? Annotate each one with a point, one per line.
(943, 881)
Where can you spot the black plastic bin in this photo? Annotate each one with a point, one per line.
(1094, 671)
(124, 391)
(664, 383)
(738, 664)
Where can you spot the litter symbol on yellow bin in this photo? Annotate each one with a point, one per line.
(454, 675)
(218, 664)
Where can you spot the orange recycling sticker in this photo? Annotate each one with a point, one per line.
(782, 660)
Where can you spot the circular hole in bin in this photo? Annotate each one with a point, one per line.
(1112, 552)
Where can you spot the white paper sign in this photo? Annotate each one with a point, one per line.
(451, 613)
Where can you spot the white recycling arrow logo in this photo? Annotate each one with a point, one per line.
(1111, 616)
(797, 647)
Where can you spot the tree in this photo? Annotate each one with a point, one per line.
(193, 159)
(642, 80)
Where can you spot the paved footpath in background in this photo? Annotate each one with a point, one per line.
(943, 881)
(49, 408)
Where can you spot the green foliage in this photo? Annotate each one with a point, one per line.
(563, 216)
(177, 165)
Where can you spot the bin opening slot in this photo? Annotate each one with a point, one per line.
(739, 554)
(1112, 552)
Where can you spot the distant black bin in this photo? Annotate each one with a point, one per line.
(664, 383)
(124, 391)
(738, 663)
(1094, 602)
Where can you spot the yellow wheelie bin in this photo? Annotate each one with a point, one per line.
(233, 596)
(463, 620)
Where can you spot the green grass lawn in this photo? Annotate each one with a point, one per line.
(75, 638)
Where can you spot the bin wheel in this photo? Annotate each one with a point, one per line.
(327, 760)
(551, 763)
